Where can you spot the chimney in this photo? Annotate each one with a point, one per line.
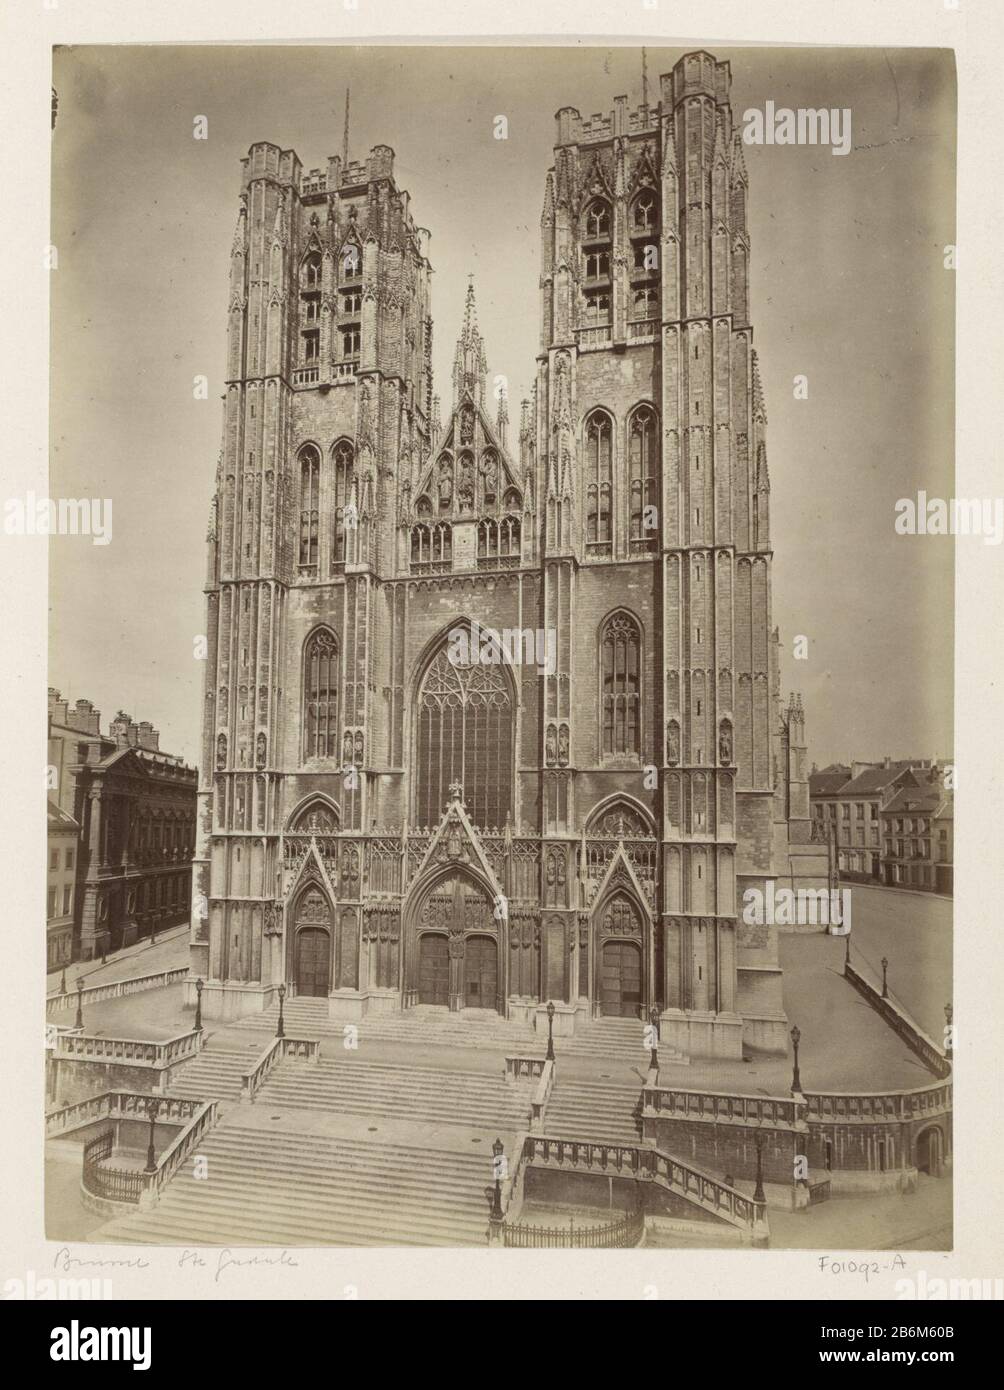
(119, 729)
(85, 718)
(132, 734)
(148, 736)
(887, 761)
(57, 707)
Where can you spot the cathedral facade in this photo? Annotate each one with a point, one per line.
(492, 711)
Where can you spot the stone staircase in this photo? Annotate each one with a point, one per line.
(419, 1095)
(481, 1028)
(265, 1187)
(215, 1074)
(593, 1110)
(616, 1039)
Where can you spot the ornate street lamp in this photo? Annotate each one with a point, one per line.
(198, 1006)
(497, 1150)
(80, 1002)
(152, 1106)
(550, 1031)
(796, 1080)
(885, 985)
(280, 1031)
(758, 1192)
(654, 1020)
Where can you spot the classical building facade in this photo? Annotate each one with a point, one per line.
(494, 722)
(134, 810)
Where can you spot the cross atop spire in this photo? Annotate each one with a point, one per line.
(470, 365)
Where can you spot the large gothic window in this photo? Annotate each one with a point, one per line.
(310, 483)
(320, 695)
(464, 734)
(599, 476)
(641, 457)
(620, 668)
(343, 459)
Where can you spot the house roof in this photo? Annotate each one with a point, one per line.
(875, 779)
(829, 780)
(58, 819)
(925, 799)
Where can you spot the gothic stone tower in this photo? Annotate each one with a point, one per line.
(327, 400)
(569, 813)
(656, 551)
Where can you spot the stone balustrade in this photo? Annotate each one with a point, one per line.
(252, 1080)
(720, 1107)
(114, 989)
(134, 1052)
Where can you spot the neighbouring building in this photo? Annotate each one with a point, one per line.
(917, 837)
(60, 886)
(853, 808)
(134, 809)
(390, 812)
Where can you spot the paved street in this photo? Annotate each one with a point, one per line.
(914, 931)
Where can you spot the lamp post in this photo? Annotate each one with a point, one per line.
(654, 1020)
(758, 1192)
(198, 1006)
(80, 1002)
(885, 985)
(280, 1031)
(550, 1031)
(497, 1150)
(847, 953)
(152, 1106)
(796, 1080)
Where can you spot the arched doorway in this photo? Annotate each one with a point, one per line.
(930, 1151)
(481, 959)
(451, 947)
(433, 968)
(620, 964)
(620, 979)
(312, 949)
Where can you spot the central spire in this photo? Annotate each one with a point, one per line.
(470, 365)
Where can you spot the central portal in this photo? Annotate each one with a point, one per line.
(453, 950)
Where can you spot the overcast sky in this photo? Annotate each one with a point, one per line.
(848, 288)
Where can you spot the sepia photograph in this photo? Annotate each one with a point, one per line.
(500, 787)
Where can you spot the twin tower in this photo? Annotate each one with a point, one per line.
(492, 712)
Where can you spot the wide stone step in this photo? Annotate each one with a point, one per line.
(266, 1188)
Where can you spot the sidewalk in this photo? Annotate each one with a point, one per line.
(170, 952)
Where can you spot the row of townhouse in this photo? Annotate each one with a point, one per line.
(890, 821)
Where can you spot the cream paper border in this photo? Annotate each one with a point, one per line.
(973, 28)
